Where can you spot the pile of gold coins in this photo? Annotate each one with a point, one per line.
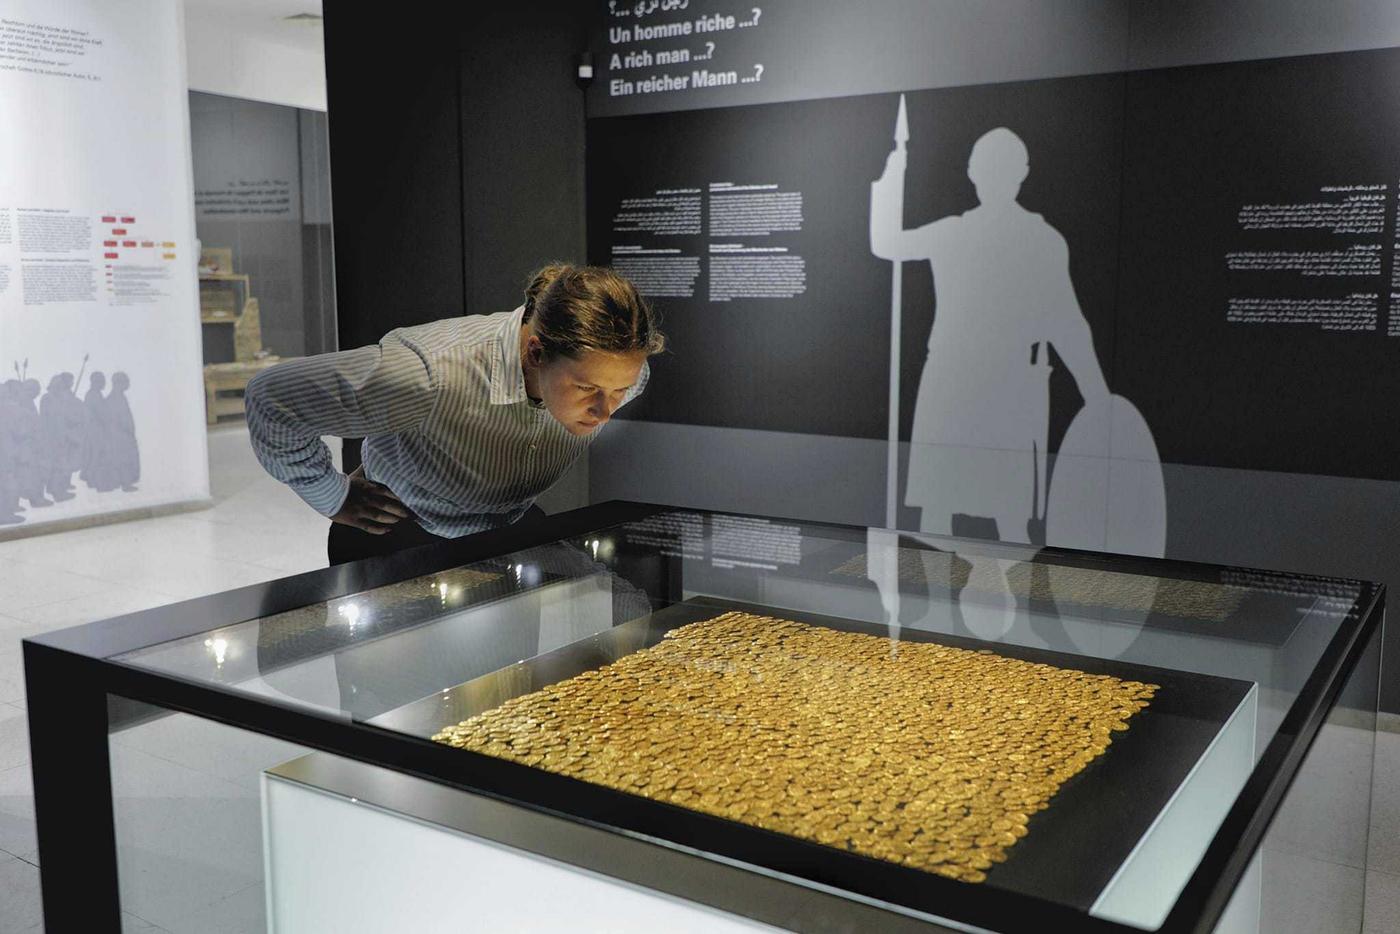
(913, 752)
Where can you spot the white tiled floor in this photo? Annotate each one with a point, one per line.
(257, 530)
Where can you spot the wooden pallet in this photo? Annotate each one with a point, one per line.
(225, 383)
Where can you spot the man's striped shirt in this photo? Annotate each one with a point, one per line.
(447, 424)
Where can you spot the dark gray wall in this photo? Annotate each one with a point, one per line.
(522, 146)
(838, 48)
(1166, 33)
(456, 157)
(1289, 521)
(396, 170)
(456, 162)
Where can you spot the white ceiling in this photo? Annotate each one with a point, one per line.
(263, 20)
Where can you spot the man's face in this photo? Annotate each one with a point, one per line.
(583, 393)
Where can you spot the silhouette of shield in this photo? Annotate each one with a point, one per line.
(1106, 489)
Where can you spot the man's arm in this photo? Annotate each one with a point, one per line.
(888, 237)
(381, 389)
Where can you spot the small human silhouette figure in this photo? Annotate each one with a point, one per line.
(94, 442)
(61, 416)
(124, 454)
(9, 453)
(29, 441)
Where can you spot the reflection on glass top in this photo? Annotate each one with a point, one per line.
(380, 649)
(980, 710)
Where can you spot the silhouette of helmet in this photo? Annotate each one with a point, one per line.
(998, 163)
(120, 380)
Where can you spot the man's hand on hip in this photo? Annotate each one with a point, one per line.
(370, 506)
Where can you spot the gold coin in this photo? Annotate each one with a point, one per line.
(755, 719)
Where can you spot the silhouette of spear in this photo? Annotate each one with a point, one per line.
(901, 137)
(79, 381)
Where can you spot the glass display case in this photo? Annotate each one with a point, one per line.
(723, 722)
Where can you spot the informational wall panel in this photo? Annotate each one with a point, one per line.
(101, 406)
(750, 227)
(666, 55)
(1228, 232)
(1259, 315)
(1220, 177)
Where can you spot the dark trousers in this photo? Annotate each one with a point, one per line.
(346, 543)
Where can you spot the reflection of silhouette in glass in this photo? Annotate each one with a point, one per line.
(62, 416)
(502, 618)
(93, 451)
(9, 453)
(978, 459)
(123, 453)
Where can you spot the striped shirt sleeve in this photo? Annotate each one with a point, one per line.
(381, 389)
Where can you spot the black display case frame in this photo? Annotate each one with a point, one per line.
(77, 691)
